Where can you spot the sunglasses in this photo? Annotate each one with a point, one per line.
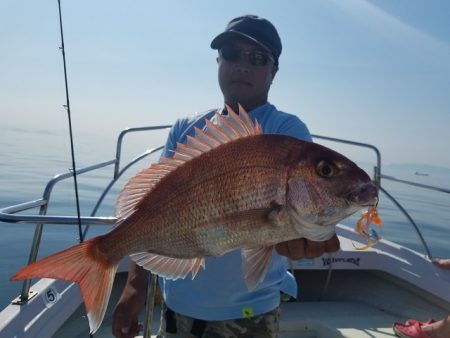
(254, 57)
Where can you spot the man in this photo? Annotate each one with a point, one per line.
(217, 303)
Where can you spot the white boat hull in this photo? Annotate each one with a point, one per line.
(349, 293)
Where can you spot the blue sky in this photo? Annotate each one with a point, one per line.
(371, 71)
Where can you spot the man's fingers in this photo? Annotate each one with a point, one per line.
(282, 249)
(120, 327)
(314, 249)
(123, 327)
(305, 248)
(294, 249)
(333, 244)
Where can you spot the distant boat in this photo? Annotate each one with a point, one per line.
(418, 173)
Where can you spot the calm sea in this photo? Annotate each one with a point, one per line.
(31, 158)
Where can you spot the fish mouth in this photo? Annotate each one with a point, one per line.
(363, 196)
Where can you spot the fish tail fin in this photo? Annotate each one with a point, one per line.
(85, 265)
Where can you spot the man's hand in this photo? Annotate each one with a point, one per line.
(125, 317)
(305, 248)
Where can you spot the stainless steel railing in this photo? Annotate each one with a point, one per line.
(403, 210)
(10, 214)
(377, 179)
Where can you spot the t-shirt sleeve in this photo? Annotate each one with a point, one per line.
(172, 138)
(294, 127)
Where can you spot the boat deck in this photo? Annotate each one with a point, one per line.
(350, 294)
(308, 319)
(331, 319)
(298, 319)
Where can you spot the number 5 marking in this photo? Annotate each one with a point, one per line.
(50, 297)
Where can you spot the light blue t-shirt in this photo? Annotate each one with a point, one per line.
(219, 292)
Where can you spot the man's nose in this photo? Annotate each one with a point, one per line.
(243, 66)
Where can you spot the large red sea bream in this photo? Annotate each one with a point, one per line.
(229, 187)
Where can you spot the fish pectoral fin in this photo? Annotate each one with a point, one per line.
(256, 262)
(278, 215)
(168, 267)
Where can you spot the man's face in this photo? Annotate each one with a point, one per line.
(240, 80)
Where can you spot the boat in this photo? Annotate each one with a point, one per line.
(350, 293)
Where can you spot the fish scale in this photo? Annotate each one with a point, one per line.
(229, 187)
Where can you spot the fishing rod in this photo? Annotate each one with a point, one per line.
(67, 106)
(151, 288)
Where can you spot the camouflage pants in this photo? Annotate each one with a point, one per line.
(175, 325)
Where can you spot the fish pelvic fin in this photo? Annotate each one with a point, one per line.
(256, 262)
(225, 129)
(169, 267)
(80, 264)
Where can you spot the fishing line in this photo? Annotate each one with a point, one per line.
(67, 106)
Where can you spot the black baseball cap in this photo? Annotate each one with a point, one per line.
(253, 28)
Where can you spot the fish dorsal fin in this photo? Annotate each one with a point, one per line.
(256, 262)
(227, 129)
(168, 267)
(139, 186)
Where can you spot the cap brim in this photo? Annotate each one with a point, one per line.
(224, 37)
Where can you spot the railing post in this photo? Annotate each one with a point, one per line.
(24, 296)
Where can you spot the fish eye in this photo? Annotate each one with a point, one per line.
(326, 169)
